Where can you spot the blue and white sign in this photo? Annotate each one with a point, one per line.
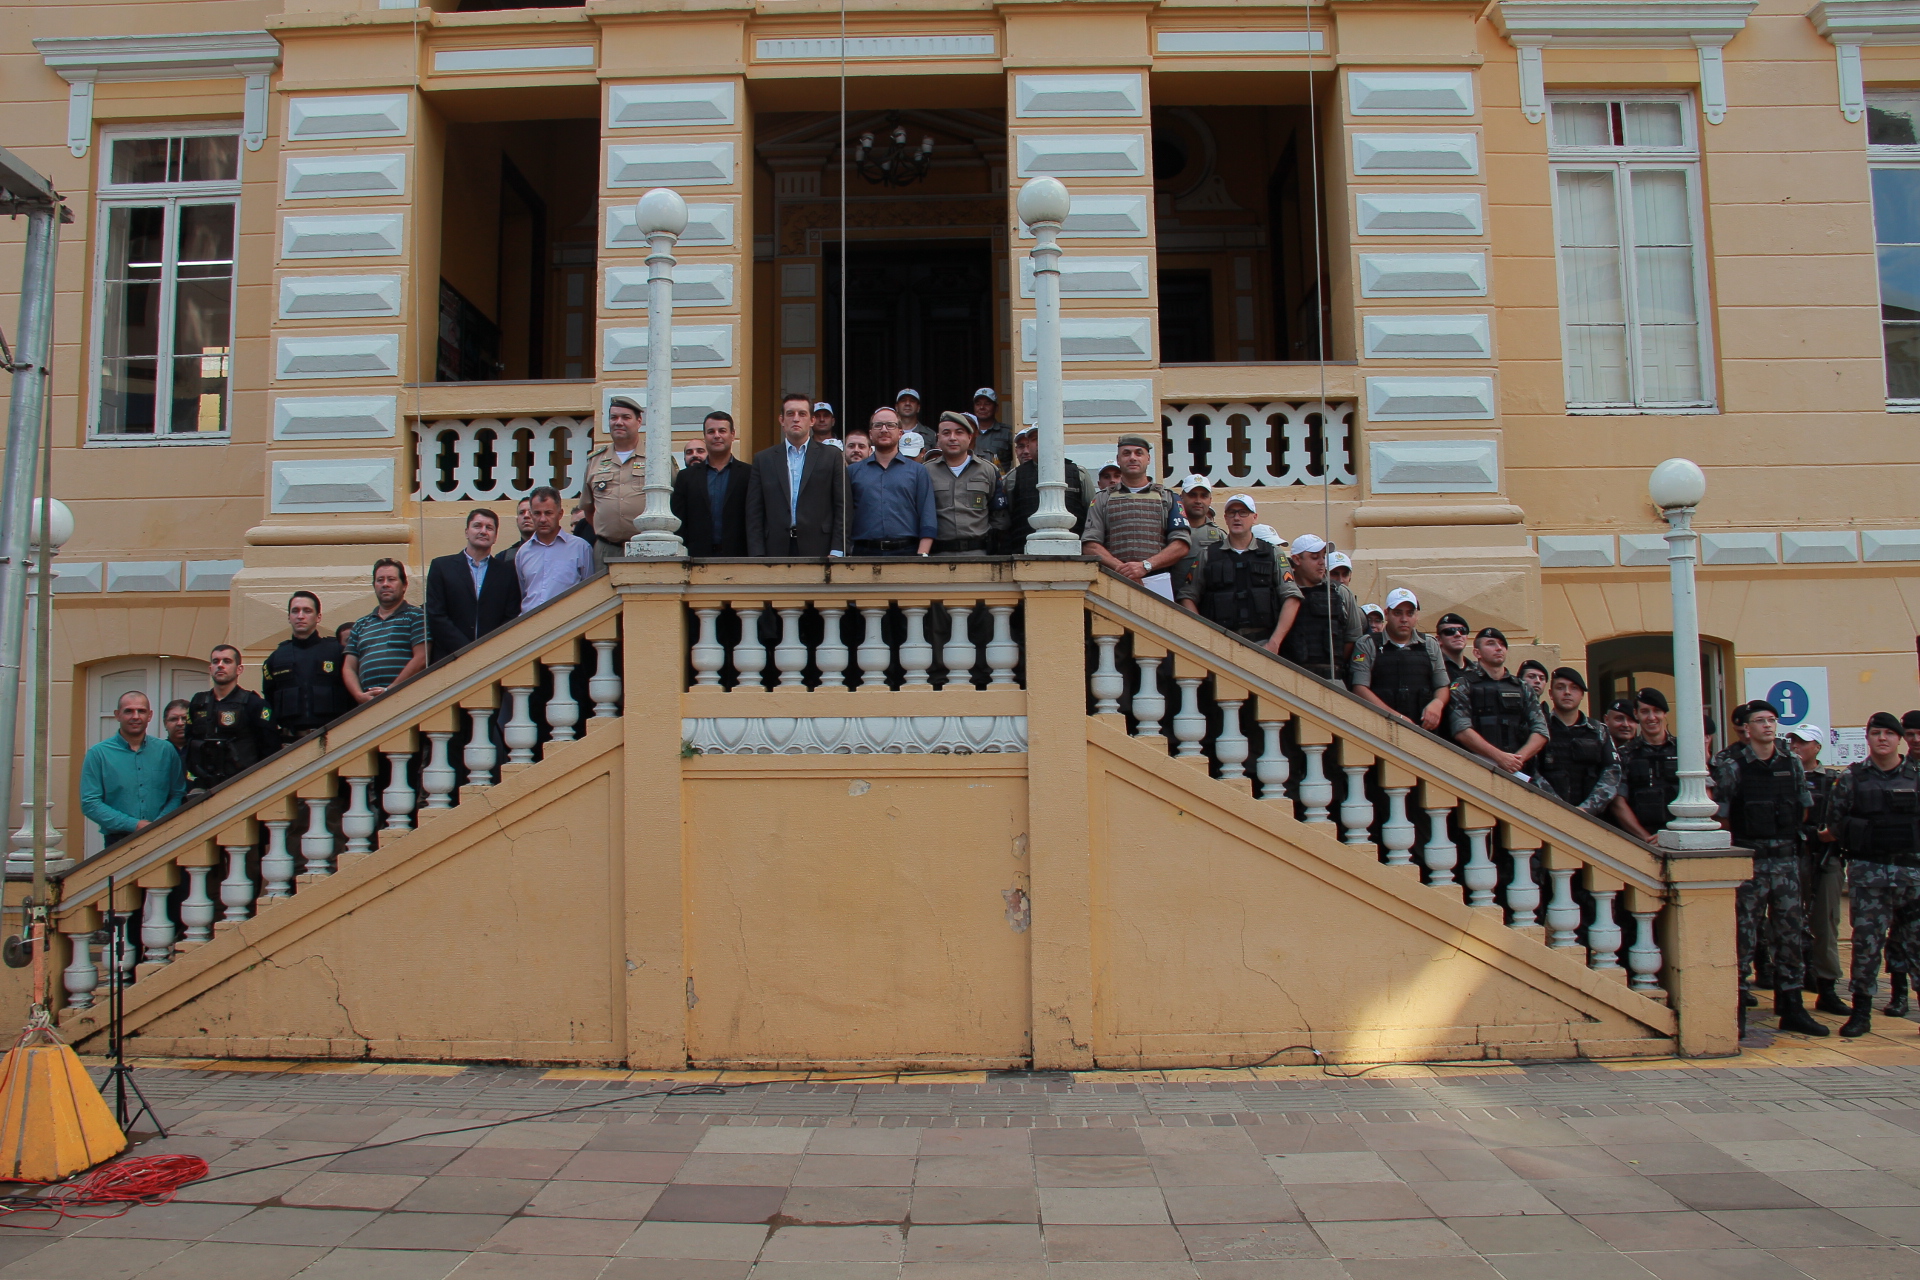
(1801, 695)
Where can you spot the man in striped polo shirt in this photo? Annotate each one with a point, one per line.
(1137, 528)
(390, 644)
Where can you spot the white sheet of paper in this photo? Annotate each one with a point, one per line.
(1161, 584)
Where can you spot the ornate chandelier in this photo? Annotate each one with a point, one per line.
(898, 165)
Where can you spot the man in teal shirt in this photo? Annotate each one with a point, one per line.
(130, 780)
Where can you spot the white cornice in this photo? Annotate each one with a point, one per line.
(1848, 24)
(82, 61)
(1704, 25)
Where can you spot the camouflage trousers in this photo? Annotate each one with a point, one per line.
(1886, 919)
(1771, 911)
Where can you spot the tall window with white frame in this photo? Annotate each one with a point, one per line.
(1627, 220)
(1893, 152)
(163, 328)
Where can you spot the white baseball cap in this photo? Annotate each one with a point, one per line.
(1242, 500)
(904, 392)
(1339, 560)
(1808, 733)
(988, 392)
(1195, 482)
(822, 405)
(1307, 543)
(1399, 596)
(1267, 533)
(1373, 608)
(835, 443)
(912, 445)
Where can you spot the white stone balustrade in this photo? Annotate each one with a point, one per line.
(487, 460)
(794, 644)
(1255, 446)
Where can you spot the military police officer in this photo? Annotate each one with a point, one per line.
(1023, 490)
(228, 728)
(1136, 528)
(1491, 713)
(1649, 769)
(615, 493)
(1763, 796)
(1578, 762)
(1875, 815)
(968, 499)
(302, 681)
(1400, 670)
(1321, 636)
(1820, 874)
(1238, 581)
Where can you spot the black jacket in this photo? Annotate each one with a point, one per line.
(454, 618)
(226, 735)
(696, 516)
(822, 504)
(304, 686)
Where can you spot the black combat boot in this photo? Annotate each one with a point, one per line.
(1829, 1001)
(1862, 1020)
(1897, 1001)
(1794, 1016)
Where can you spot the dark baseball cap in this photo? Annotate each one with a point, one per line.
(1568, 673)
(1493, 633)
(1653, 698)
(1884, 720)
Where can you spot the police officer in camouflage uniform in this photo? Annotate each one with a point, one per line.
(1763, 796)
(1875, 816)
(1321, 636)
(1820, 875)
(1578, 763)
(1239, 582)
(1137, 528)
(1492, 714)
(228, 728)
(1649, 769)
(1400, 670)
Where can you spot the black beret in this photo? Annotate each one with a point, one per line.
(1568, 673)
(1653, 698)
(1884, 720)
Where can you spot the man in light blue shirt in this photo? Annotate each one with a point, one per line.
(130, 781)
(552, 560)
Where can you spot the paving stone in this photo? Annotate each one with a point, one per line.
(685, 1202)
(92, 1259)
(1794, 1228)
(1564, 1266)
(1717, 1264)
(707, 1241)
(846, 1204)
(750, 1170)
(1421, 1269)
(330, 1128)
(620, 1200)
(826, 1270)
(587, 1237)
(752, 1140)
(1850, 1189)
(265, 1151)
(1857, 1262)
(1009, 1242)
(1251, 1242)
(211, 1261)
(1561, 1162)
(1274, 1269)
(1120, 1271)
(1634, 1232)
(515, 1266)
(973, 1171)
(865, 1142)
(245, 1188)
(273, 1225)
(1730, 1191)
(1881, 1153)
(975, 1204)
(975, 1142)
(463, 1231)
(1631, 1194)
(1482, 1199)
(673, 1269)
(645, 1137)
(1212, 1169)
(1087, 1142)
(385, 1264)
(834, 1244)
(1331, 1167)
(352, 1190)
(1522, 1133)
(471, 1195)
(1540, 1235)
(1093, 1171)
(1102, 1206)
(1736, 1128)
(507, 1162)
(1114, 1244)
(1902, 1225)
(622, 1166)
(976, 1271)
(1351, 1201)
(1468, 1166)
(1200, 1206)
(543, 1136)
(1608, 1131)
(408, 1158)
(854, 1171)
(1418, 1137)
(1390, 1240)
(1784, 1155)
(168, 1221)
(1676, 1157)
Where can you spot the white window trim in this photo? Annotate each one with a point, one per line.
(83, 61)
(1621, 160)
(1849, 24)
(1702, 25)
(1881, 157)
(110, 196)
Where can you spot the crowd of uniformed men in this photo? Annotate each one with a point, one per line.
(967, 485)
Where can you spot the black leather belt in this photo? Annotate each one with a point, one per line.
(885, 544)
(958, 546)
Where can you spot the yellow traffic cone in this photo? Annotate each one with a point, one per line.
(53, 1121)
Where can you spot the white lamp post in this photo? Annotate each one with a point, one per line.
(1677, 487)
(661, 217)
(1043, 205)
(36, 758)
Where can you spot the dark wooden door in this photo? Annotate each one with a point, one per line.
(920, 315)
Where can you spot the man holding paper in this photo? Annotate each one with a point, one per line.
(1137, 528)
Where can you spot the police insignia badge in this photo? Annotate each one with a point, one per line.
(327, 666)
(227, 719)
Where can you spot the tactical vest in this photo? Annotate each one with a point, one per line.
(1652, 781)
(1884, 823)
(1241, 590)
(1402, 678)
(308, 689)
(1573, 760)
(1499, 710)
(1820, 782)
(1768, 807)
(1137, 522)
(1025, 498)
(1307, 639)
(220, 736)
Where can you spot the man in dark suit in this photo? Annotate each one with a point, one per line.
(789, 518)
(472, 591)
(710, 496)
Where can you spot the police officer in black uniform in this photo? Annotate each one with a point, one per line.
(1491, 713)
(1321, 634)
(1875, 814)
(303, 679)
(1400, 670)
(1649, 770)
(1578, 762)
(1023, 491)
(1820, 875)
(228, 728)
(1238, 581)
(1452, 632)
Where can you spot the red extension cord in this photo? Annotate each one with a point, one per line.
(136, 1180)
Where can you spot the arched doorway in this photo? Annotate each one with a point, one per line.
(1619, 666)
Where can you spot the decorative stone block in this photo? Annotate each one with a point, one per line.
(695, 346)
(1295, 41)
(143, 575)
(797, 374)
(378, 235)
(344, 177)
(1081, 155)
(1126, 277)
(1576, 551)
(1435, 466)
(691, 404)
(571, 57)
(797, 280)
(359, 115)
(1086, 402)
(1429, 399)
(338, 297)
(1398, 337)
(334, 417)
(1101, 217)
(1890, 544)
(1818, 547)
(1092, 95)
(331, 484)
(799, 324)
(1423, 275)
(1433, 213)
(1085, 338)
(1410, 93)
(670, 164)
(370, 355)
(695, 284)
(1422, 155)
(1739, 548)
(868, 48)
(666, 106)
(72, 579)
(212, 575)
(854, 735)
(1643, 550)
(707, 224)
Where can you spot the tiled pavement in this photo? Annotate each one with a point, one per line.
(1793, 1161)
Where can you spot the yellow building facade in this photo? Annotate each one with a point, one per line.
(1442, 281)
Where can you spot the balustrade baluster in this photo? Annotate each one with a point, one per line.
(1439, 852)
(1480, 875)
(1149, 704)
(316, 842)
(831, 654)
(1643, 957)
(790, 655)
(750, 654)
(1356, 811)
(156, 927)
(236, 891)
(1316, 788)
(1523, 895)
(957, 654)
(480, 755)
(1563, 913)
(1603, 935)
(80, 977)
(916, 655)
(604, 685)
(1106, 683)
(1189, 723)
(399, 798)
(708, 655)
(1272, 768)
(873, 651)
(563, 710)
(277, 866)
(438, 777)
(1397, 831)
(196, 909)
(1003, 652)
(1230, 744)
(520, 732)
